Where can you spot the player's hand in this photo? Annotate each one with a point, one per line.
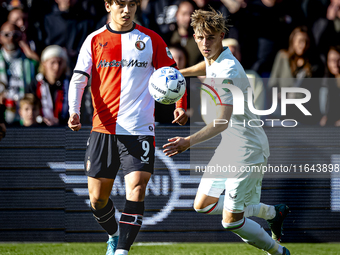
(74, 122)
(51, 121)
(176, 145)
(180, 116)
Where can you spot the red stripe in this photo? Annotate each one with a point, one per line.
(212, 208)
(132, 214)
(106, 82)
(225, 104)
(238, 226)
(212, 88)
(129, 223)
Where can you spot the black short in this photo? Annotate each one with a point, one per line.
(105, 153)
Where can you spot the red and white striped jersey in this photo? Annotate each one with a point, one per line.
(121, 63)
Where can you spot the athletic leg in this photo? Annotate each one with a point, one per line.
(101, 166)
(132, 216)
(137, 161)
(240, 192)
(250, 232)
(208, 196)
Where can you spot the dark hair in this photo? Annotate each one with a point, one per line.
(178, 46)
(335, 48)
(110, 2)
(190, 2)
(293, 58)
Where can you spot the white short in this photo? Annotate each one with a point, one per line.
(239, 192)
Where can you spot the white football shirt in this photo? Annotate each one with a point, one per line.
(241, 144)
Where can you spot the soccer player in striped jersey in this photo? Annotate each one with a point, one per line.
(120, 57)
(241, 145)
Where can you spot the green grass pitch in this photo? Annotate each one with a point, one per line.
(163, 248)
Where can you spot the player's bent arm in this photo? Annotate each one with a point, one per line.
(196, 70)
(214, 128)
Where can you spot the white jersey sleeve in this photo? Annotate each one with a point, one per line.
(81, 75)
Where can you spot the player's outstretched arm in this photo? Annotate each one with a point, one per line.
(196, 70)
(177, 145)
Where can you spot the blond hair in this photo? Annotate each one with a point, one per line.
(30, 99)
(209, 21)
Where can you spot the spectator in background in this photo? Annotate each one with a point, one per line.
(215, 4)
(51, 86)
(180, 55)
(18, 17)
(331, 87)
(160, 16)
(326, 30)
(184, 33)
(29, 111)
(296, 62)
(66, 26)
(263, 27)
(16, 69)
(292, 66)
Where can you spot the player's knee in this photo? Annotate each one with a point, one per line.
(232, 224)
(137, 193)
(98, 203)
(198, 206)
(232, 217)
(202, 208)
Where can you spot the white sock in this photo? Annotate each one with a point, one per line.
(253, 234)
(121, 252)
(260, 210)
(213, 208)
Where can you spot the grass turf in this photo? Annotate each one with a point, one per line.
(162, 249)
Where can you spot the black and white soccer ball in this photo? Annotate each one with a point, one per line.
(167, 85)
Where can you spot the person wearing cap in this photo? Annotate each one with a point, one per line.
(51, 85)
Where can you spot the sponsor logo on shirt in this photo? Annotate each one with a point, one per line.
(122, 63)
(103, 45)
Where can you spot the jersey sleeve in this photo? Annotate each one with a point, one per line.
(84, 61)
(182, 103)
(80, 77)
(161, 54)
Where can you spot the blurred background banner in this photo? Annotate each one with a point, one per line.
(44, 196)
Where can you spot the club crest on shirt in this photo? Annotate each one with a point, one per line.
(140, 45)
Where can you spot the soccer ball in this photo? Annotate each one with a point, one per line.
(167, 85)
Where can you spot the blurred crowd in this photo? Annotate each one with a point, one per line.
(280, 43)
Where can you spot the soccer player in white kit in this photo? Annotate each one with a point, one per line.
(241, 145)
